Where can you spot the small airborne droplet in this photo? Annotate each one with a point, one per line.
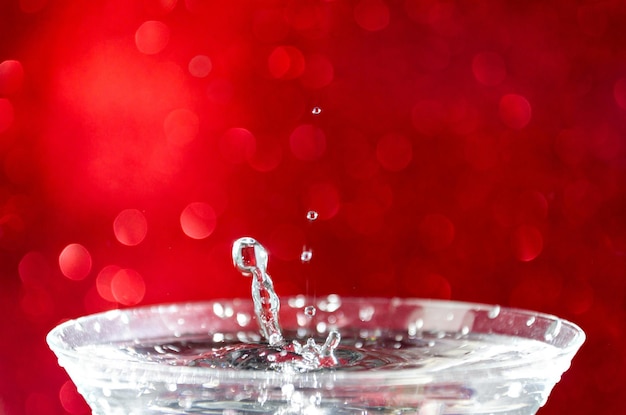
(306, 255)
(310, 310)
(316, 111)
(312, 215)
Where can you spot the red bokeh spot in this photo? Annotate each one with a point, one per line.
(527, 243)
(394, 152)
(181, 126)
(130, 227)
(372, 15)
(128, 287)
(11, 77)
(33, 268)
(319, 72)
(619, 93)
(578, 296)
(71, 400)
(37, 303)
(6, 114)
(286, 242)
(307, 142)
(436, 232)
(324, 199)
(75, 262)
(152, 37)
(267, 156)
(200, 66)
(103, 282)
(237, 145)
(489, 68)
(514, 111)
(198, 220)
(286, 62)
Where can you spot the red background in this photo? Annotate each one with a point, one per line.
(466, 150)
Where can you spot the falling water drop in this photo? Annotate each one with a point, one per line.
(316, 111)
(306, 255)
(310, 310)
(312, 215)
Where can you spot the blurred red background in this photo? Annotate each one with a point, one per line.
(465, 150)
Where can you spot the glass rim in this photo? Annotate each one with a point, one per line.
(399, 376)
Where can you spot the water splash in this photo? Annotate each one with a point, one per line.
(251, 258)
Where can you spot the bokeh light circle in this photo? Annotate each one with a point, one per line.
(71, 400)
(181, 126)
(619, 92)
(11, 77)
(7, 114)
(489, 68)
(267, 156)
(103, 282)
(75, 262)
(152, 37)
(130, 227)
(286, 62)
(515, 111)
(318, 73)
(200, 66)
(237, 145)
(527, 243)
(128, 287)
(307, 142)
(394, 152)
(372, 15)
(198, 220)
(33, 268)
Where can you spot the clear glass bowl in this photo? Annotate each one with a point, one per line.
(409, 356)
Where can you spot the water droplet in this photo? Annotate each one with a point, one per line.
(316, 111)
(312, 215)
(553, 331)
(494, 312)
(306, 255)
(310, 310)
(530, 321)
(331, 343)
(366, 313)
